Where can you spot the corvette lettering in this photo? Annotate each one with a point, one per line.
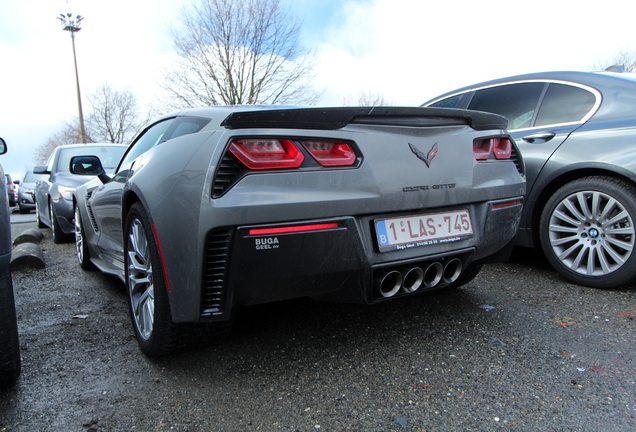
(429, 187)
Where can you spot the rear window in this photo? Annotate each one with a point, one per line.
(516, 102)
(450, 102)
(564, 104)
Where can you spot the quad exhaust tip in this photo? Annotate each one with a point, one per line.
(452, 270)
(389, 282)
(412, 279)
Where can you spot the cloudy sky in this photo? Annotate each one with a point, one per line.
(408, 51)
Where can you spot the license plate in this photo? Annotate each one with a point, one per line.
(422, 230)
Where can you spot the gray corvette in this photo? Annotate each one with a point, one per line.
(215, 208)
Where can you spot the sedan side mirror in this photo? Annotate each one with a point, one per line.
(3, 147)
(88, 166)
(40, 170)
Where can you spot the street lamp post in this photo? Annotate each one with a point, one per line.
(73, 25)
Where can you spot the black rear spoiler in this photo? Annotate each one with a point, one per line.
(336, 118)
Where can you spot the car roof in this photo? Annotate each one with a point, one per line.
(615, 88)
(598, 79)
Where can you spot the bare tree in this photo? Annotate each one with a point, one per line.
(114, 116)
(373, 99)
(624, 58)
(68, 134)
(233, 52)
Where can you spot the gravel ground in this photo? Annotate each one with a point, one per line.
(516, 349)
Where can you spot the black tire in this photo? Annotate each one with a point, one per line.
(83, 255)
(38, 220)
(146, 287)
(588, 232)
(58, 235)
(10, 363)
(24, 210)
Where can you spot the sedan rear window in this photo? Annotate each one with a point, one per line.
(564, 104)
(516, 102)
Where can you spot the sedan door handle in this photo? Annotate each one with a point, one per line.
(539, 137)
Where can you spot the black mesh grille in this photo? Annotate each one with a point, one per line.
(228, 173)
(215, 265)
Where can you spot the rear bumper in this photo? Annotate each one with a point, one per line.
(342, 263)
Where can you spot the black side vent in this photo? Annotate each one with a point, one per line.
(515, 158)
(228, 173)
(90, 212)
(215, 266)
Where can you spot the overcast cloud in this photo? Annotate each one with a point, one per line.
(405, 50)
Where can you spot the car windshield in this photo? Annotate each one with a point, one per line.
(109, 155)
(29, 177)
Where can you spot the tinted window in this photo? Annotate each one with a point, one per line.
(450, 102)
(164, 131)
(564, 104)
(146, 141)
(29, 177)
(516, 102)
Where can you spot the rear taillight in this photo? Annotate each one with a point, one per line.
(500, 147)
(330, 153)
(482, 149)
(267, 153)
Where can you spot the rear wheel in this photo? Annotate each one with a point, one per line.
(10, 363)
(83, 255)
(148, 295)
(588, 233)
(146, 286)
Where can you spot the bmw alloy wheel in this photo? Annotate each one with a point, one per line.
(588, 231)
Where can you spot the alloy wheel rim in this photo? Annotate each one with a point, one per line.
(79, 239)
(51, 219)
(591, 233)
(140, 280)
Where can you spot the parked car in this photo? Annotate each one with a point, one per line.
(577, 134)
(214, 208)
(10, 363)
(26, 192)
(10, 190)
(54, 189)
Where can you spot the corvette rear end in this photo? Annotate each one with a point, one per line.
(362, 207)
(345, 204)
